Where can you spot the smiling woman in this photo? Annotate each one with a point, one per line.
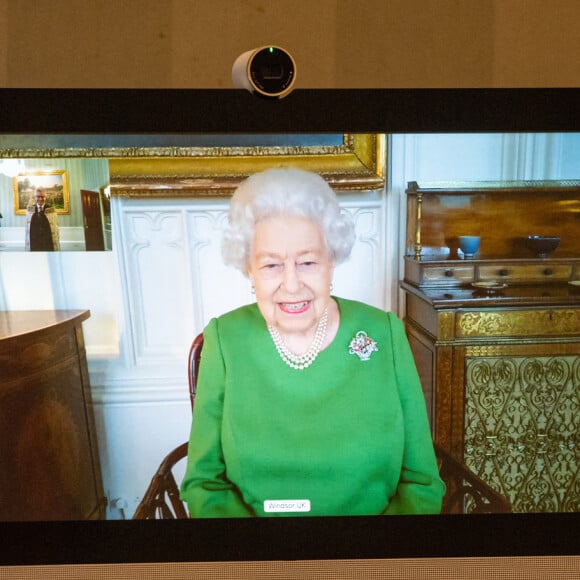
(292, 234)
(291, 272)
(276, 427)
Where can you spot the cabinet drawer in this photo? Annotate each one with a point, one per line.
(36, 352)
(448, 275)
(545, 322)
(526, 272)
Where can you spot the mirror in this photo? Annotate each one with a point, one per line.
(76, 188)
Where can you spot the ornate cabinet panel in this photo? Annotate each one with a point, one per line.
(500, 366)
(49, 463)
(521, 425)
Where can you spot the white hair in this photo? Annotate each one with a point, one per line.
(285, 192)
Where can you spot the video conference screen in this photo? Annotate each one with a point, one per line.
(141, 205)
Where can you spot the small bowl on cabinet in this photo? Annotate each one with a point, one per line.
(542, 246)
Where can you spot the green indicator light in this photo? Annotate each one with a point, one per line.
(271, 49)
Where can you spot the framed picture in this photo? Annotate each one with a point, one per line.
(55, 183)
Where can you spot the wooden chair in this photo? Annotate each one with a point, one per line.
(466, 493)
(161, 500)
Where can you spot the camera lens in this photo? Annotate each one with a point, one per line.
(272, 71)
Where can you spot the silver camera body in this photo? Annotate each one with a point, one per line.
(268, 71)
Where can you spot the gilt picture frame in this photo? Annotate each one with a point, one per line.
(55, 183)
(353, 164)
(194, 166)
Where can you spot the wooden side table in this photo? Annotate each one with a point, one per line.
(49, 461)
(496, 338)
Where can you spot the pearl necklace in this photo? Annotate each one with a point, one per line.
(302, 361)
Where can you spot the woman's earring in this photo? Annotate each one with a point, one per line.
(253, 290)
(331, 286)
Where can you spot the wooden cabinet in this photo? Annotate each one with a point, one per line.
(500, 366)
(49, 462)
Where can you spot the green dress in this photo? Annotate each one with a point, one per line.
(346, 436)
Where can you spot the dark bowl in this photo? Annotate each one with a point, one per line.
(542, 246)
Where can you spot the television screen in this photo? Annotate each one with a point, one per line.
(140, 183)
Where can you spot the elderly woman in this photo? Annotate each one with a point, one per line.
(307, 404)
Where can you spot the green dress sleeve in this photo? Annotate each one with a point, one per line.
(205, 487)
(420, 489)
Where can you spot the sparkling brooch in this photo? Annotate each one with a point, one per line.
(362, 345)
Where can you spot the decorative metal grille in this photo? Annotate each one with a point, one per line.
(522, 422)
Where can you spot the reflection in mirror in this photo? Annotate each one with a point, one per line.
(76, 192)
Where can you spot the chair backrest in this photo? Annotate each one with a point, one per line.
(466, 492)
(193, 367)
(161, 501)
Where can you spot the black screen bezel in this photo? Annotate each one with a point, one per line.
(39, 111)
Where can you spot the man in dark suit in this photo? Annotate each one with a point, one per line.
(41, 225)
